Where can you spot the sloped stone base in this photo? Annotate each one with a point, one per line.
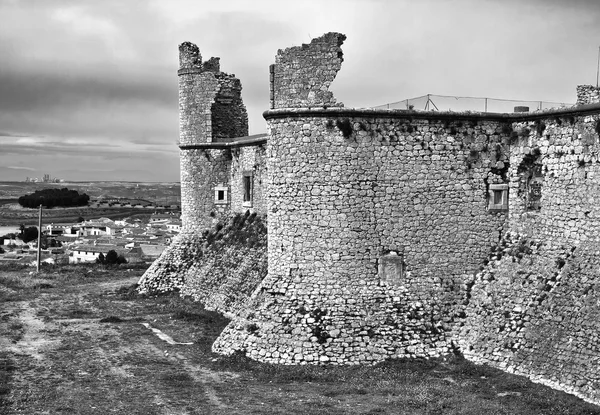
(291, 322)
(167, 273)
(534, 312)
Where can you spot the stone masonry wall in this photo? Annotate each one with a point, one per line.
(232, 265)
(374, 226)
(228, 113)
(347, 189)
(557, 157)
(201, 171)
(587, 94)
(400, 233)
(249, 160)
(197, 91)
(210, 103)
(219, 267)
(168, 272)
(210, 110)
(301, 75)
(534, 309)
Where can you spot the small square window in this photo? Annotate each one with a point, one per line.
(498, 197)
(221, 195)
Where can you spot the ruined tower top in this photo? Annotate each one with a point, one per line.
(190, 59)
(301, 75)
(189, 56)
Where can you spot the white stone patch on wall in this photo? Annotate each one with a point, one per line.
(391, 268)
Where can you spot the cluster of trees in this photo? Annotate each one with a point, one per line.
(29, 233)
(111, 258)
(54, 197)
(26, 234)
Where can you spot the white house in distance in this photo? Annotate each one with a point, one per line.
(90, 253)
(62, 229)
(13, 242)
(165, 221)
(95, 228)
(174, 226)
(160, 218)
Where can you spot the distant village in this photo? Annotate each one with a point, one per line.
(45, 179)
(137, 240)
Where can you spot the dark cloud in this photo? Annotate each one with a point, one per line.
(6, 134)
(87, 149)
(41, 90)
(103, 74)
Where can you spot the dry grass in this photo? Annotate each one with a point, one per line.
(82, 350)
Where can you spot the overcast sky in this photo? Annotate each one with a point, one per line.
(88, 89)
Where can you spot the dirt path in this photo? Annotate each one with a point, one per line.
(33, 339)
(67, 356)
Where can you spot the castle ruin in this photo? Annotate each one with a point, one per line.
(396, 233)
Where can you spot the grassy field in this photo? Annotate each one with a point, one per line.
(158, 193)
(29, 217)
(79, 340)
(162, 193)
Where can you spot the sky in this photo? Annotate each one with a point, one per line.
(88, 89)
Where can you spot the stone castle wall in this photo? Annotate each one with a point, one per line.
(210, 110)
(205, 170)
(379, 225)
(404, 233)
(587, 94)
(197, 91)
(534, 309)
(201, 171)
(233, 263)
(228, 113)
(250, 160)
(301, 75)
(560, 156)
(375, 223)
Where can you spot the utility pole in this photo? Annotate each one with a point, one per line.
(39, 247)
(598, 67)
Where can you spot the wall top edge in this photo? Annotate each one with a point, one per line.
(186, 71)
(402, 113)
(219, 146)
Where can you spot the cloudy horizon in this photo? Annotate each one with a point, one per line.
(88, 89)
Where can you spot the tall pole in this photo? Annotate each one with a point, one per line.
(39, 247)
(598, 67)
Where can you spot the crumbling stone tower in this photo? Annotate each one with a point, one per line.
(210, 111)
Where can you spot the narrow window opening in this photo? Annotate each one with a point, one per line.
(220, 195)
(498, 197)
(247, 189)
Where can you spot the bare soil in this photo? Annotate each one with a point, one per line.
(72, 342)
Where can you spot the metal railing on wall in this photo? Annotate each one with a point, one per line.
(431, 102)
